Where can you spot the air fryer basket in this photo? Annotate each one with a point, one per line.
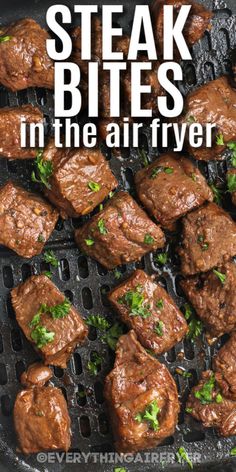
(85, 282)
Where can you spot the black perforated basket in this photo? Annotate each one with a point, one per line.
(85, 283)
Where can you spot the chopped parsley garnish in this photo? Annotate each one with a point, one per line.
(44, 170)
(220, 140)
(59, 311)
(98, 322)
(89, 242)
(201, 241)
(4, 39)
(231, 182)
(160, 304)
(159, 328)
(182, 456)
(168, 170)
(50, 258)
(188, 410)
(150, 415)
(217, 194)
(117, 274)
(161, 258)
(193, 177)
(95, 363)
(158, 169)
(111, 333)
(101, 226)
(41, 238)
(233, 451)
(120, 469)
(143, 157)
(135, 301)
(195, 326)
(219, 398)
(94, 186)
(232, 146)
(148, 239)
(191, 119)
(48, 273)
(39, 413)
(221, 277)
(205, 394)
(41, 336)
(183, 373)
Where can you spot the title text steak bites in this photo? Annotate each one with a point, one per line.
(214, 103)
(170, 187)
(26, 220)
(209, 239)
(69, 330)
(120, 233)
(80, 180)
(10, 130)
(148, 309)
(24, 61)
(213, 299)
(138, 383)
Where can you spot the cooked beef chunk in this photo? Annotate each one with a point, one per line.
(213, 299)
(224, 363)
(209, 239)
(214, 103)
(36, 375)
(207, 404)
(231, 179)
(120, 233)
(42, 420)
(170, 187)
(10, 130)
(47, 319)
(24, 61)
(81, 179)
(26, 220)
(139, 384)
(197, 23)
(148, 309)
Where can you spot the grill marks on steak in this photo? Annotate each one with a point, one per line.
(170, 187)
(214, 301)
(214, 103)
(24, 61)
(117, 234)
(74, 171)
(10, 130)
(69, 331)
(162, 325)
(209, 239)
(137, 380)
(26, 220)
(219, 413)
(224, 363)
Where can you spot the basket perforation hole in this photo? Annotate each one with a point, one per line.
(64, 393)
(85, 426)
(92, 335)
(140, 264)
(188, 349)
(64, 270)
(9, 308)
(16, 340)
(81, 395)
(194, 436)
(20, 368)
(58, 372)
(209, 71)
(103, 424)
(26, 271)
(59, 225)
(8, 276)
(12, 167)
(69, 295)
(98, 390)
(3, 374)
(83, 267)
(44, 267)
(171, 355)
(104, 291)
(1, 344)
(128, 179)
(6, 405)
(101, 269)
(77, 364)
(102, 448)
(87, 298)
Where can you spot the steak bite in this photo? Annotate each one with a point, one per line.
(36, 374)
(209, 239)
(214, 103)
(48, 320)
(10, 130)
(214, 299)
(197, 23)
(141, 396)
(148, 309)
(80, 180)
(26, 220)
(170, 187)
(208, 404)
(120, 233)
(224, 363)
(42, 420)
(24, 61)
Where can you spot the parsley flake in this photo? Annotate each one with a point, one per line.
(150, 415)
(231, 182)
(220, 139)
(148, 239)
(221, 277)
(182, 456)
(94, 186)
(101, 226)
(44, 170)
(50, 258)
(159, 328)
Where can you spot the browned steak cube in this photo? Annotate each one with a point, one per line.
(120, 233)
(209, 239)
(212, 103)
(197, 23)
(170, 187)
(81, 179)
(24, 61)
(10, 130)
(148, 309)
(42, 420)
(214, 299)
(47, 319)
(225, 364)
(207, 404)
(36, 374)
(137, 386)
(231, 182)
(26, 220)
